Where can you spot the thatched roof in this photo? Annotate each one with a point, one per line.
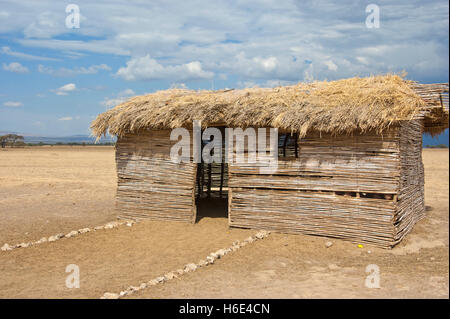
(340, 107)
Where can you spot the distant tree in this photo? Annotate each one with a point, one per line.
(14, 139)
(3, 141)
(11, 140)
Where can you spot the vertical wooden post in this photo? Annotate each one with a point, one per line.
(286, 136)
(202, 169)
(222, 168)
(209, 180)
(194, 202)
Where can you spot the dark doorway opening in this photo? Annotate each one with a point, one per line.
(211, 191)
(212, 208)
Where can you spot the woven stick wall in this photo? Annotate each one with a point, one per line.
(411, 204)
(365, 188)
(149, 184)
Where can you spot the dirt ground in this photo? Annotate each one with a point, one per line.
(47, 190)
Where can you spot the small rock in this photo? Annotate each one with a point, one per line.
(369, 252)
(110, 295)
(53, 238)
(432, 258)
(210, 259)
(123, 293)
(6, 247)
(129, 224)
(220, 253)
(23, 245)
(180, 271)
(260, 235)
(42, 240)
(169, 275)
(160, 279)
(190, 267)
(152, 282)
(143, 286)
(111, 225)
(98, 227)
(130, 290)
(215, 255)
(249, 240)
(72, 233)
(84, 230)
(328, 244)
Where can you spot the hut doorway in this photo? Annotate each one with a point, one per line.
(211, 191)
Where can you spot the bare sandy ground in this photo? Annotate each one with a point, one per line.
(44, 191)
(47, 190)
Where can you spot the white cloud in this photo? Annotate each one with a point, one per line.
(66, 118)
(127, 92)
(46, 25)
(7, 50)
(362, 60)
(247, 84)
(146, 68)
(97, 46)
(119, 98)
(93, 69)
(377, 50)
(260, 67)
(268, 64)
(65, 89)
(13, 104)
(179, 86)
(331, 65)
(15, 67)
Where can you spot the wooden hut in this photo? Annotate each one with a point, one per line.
(349, 165)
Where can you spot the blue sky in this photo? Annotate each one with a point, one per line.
(55, 80)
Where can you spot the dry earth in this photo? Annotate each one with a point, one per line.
(47, 190)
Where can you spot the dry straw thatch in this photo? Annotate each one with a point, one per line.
(337, 107)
